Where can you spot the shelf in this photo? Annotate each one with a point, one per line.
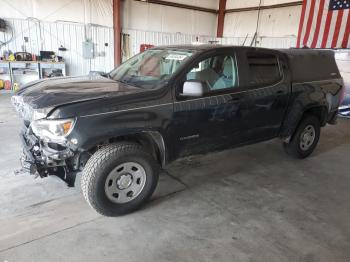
(23, 72)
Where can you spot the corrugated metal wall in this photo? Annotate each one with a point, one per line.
(159, 38)
(138, 37)
(50, 36)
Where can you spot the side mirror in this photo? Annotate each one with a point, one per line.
(193, 88)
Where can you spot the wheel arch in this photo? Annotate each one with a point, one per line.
(151, 141)
(319, 111)
(295, 118)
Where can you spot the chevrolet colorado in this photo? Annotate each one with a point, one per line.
(168, 102)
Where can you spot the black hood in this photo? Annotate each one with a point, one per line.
(54, 92)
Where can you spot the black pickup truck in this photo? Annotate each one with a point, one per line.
(169, 102)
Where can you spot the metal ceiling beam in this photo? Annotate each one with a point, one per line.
(184, 6)
(256, 8)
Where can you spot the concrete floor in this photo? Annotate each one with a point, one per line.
(249, 204)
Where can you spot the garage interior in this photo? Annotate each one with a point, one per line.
(252, 203)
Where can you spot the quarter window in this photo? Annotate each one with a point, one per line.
(263, 68)
(216, 73)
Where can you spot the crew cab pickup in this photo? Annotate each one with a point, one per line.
(169, 102)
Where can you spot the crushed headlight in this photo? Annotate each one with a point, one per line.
(55, 130)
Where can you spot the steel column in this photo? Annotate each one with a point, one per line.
(117, 32)
(221, 18)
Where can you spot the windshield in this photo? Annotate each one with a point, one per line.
(150, 69)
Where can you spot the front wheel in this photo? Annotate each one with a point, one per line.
(119, 179)
(305, 139)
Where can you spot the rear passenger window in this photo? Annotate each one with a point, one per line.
(263, 68)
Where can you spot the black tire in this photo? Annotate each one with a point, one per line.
(294, 147)
(101, 164)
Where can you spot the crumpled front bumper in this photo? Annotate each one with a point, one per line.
(44, 158)
(28, 159)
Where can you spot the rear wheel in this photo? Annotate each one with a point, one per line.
(305, 139)
(119, 179)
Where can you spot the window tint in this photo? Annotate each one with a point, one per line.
(263, 68)
(217, 72)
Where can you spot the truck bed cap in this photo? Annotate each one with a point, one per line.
(311, 65)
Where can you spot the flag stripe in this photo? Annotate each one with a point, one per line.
(313, 23)
(301, 23)
(323, 24)
(309, 22)
(337, 28)
(318, 24)
(307, 14)
(326, 29)
(342, 28)
(345, 43)
(332, 29)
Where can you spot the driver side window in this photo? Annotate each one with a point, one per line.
(215, 73)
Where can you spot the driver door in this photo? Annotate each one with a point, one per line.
(211, 121)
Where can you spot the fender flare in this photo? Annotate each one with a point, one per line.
(159, 143)
(152, 139)
(295, 115)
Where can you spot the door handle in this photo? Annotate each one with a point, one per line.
(279, 92)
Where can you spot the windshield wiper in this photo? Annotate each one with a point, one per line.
(107, 75)
(126, 83)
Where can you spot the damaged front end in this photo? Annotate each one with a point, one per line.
(42, 158)
(46, 149)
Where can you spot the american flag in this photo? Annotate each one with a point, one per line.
(324, 24)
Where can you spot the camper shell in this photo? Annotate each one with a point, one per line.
(311, 65)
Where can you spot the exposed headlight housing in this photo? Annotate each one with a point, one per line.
(53, 130)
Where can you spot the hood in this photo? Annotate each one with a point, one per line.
(37, 99)
(59, 91)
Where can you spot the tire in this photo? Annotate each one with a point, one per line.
(117, 162)
(302, 148)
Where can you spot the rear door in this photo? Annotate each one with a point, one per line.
(267, 84)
